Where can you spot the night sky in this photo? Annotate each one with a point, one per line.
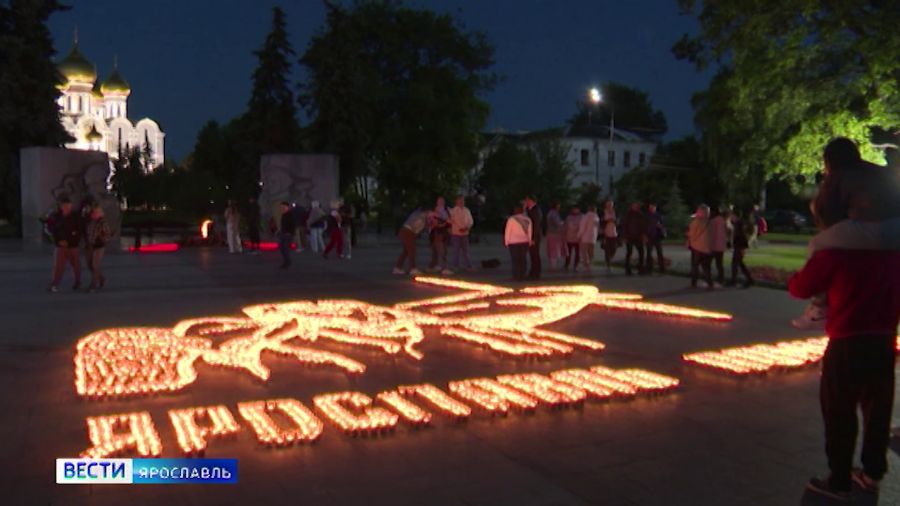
(189, 61)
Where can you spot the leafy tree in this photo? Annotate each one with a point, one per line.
(676, 214)
(791, 75)
(632, 107)
(589, 194)
(29, 114)
(394, 91)
(130, 177)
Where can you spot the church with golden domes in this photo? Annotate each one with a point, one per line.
(95, 112)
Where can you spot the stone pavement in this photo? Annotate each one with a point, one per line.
(718, 440)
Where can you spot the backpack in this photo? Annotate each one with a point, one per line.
(762, 226)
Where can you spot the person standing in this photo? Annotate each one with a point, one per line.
(335, 234)
(518, 238)
(739, 244)
(570, 231)
(460, 224)
(699, 242)
(347, 215)
(233, 227)
(301, 218)
(718, 231)
(66, 229)
(610, 234)
(286, 234)
(439, 235)
(587, 236)
(863, 293)
(753, 219)
(555, 240)
(253, 224)
(635, 228)
(534, 250)
(97, 234)
(656, 232)
(316, 224)
(412, 227)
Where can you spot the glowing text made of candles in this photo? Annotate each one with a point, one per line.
(143, 360)
(357, 414)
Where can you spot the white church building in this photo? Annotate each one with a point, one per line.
(95, 112)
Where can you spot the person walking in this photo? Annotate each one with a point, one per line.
(634, 226)
(316, 224)
(66, 230)
(656, 232)
(588, 230)
(863, 293)
(415, 223)
(335, 234)
(570, 233)
(286, 234)
(610, 234)
(253, 223)
(534, 249)
(97, 234)
(518, 238)
(233, 228)
(348, 215)
(439, 235)
(460, 224)
(699, 242)
(556, 248)
(739, 244)
(718, 240)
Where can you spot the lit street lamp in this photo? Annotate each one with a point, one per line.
(595, 98)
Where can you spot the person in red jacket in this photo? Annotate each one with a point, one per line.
(863, 289)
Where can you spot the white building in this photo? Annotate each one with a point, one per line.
(595, 156)
(95, 113)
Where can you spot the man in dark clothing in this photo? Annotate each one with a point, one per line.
(634, 227)
(286, 234)
(66, 229)
(534, 250)
(253, 224)
(656, 232)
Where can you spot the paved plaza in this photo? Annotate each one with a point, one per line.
(716, 440)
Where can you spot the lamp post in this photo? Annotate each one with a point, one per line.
(595, 98)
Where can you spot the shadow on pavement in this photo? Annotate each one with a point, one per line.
(813, 499)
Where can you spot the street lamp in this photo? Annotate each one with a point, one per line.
(595, 98)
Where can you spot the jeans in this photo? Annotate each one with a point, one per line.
(737, 262)
(94, 259)
(438, 251)
(517, 256)
(66, 255)
(718, 258)
(857, 373)
(655, 245)
(701, 260)
(610, 245)
(316, 242)
(284, 246)
(347, 234)
(573, 255)
(629, 246)
(459, 245)
(408, 242)
(534, 256)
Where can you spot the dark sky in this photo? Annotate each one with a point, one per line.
(189, 61)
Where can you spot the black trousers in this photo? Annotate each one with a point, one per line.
(737, 262)
(534, 255)
(857, 373)
(572, 254)
(657, 245)
(640, 249)
(517, 256)
(698, 261)
(718, 257)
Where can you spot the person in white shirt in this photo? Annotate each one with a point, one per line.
(588, 229)
(233, 227)
(517, 238)
(460, 224)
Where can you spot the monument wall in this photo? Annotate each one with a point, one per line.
(298, 179)
(50, 173)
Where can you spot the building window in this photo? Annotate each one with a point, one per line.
(642, 159)
(585, 157)
(626, 159)
(611, 158)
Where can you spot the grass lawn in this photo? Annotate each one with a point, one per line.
(789, 257)
(781, 237)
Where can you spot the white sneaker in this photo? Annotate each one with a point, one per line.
(398, 270)
(414, 272)
(447, 272)
(813, 317)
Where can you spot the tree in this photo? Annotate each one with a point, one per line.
(394, 91)
(29, 114)
(791, 75)
(632, 107)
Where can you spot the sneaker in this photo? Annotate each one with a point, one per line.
(864, 482)
(398, 270)
(813, 317)
(53, 289)
(824, 488)
(447, 272)
(414, 272)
